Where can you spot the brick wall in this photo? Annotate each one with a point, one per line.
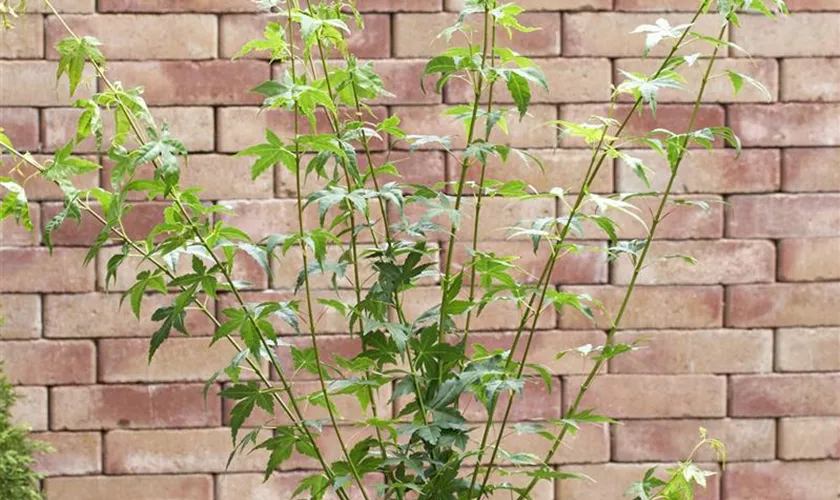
(746, 344)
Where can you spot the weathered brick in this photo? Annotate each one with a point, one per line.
(578, 29)
(180, 6)
(501, 315)
(279, 485)
(706, 171)
(138, 223)
(809, 5)
(133, 407)
(785, 395)
(175, 451)
(569, 80)
(31, 408)
(590, 445)
(35, 270)
(178, 360)
(545, 346)
(765, 71)
(21, 126)
(40, 75)
(141, 37)
(235, 30)
(718, 262)
(499, 216)
(815, 169)
(805, 79)
(764, 216)
(21, 317)
(535, 402)
(193, 126)
(136, 487)
(812, 259)
(181, 83)
(49, 362)
(808, 349)
(260, 218)
(674, 117)
(402, 78)
(814, 480)
(25, 40)
(652, 307)
(766, 37)
(430, 120)
(415, 35)
(788, 124)
(782, 304)
(696, 351)
(76, 454)
(612, 481)
(529, 5)
(809, 438)
(64, 6)
(589, 265)
(654, 6)
(14, 234)
(673, 440)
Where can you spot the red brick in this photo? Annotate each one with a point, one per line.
(30, 75)
(176, 451)
(178, 360)
(563, 168)
(673, 440)
(279, 485)
(138, 222)
(25, 40)
(674, 117)
(76, 454)
(535, 402)
(804, 79)
(613, 480)
(430, 120)
(811, 169)
(589, 265)
(415, 35)
(180, 6)
(545, 346)
(769, 216)
(133, 407)
(654, 6)
(136, 487)
(807, 304)
(804, 124)
(696, 351)
(38, 188)
(402, 78)
(765, 71)
(531, 5)
(49, 362)
(718, 262)
(68, 6)
(808, 5)
(14, 234)
(141, 37)
(675, 396)
(501, 315)
(706, 171)
(21, 316)
(813, 480)
(766, 37)
(813, 259)
(785, 395)
(400, 5)
(500, 216)
(590, 445)
(60, 272)
(31, 409)
(809, 438)
(372, 43)
(260, 218)
(615, 40)
(21, 126)
(193, 126)
(191, 83)
(570, 80)
(808, 349)
(652, 307)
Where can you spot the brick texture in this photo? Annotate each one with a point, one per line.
(745, 343)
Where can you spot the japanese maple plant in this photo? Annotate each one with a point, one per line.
(434, 368)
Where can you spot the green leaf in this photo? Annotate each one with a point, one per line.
(521, 93)
(268, 154)
(738, 80)
(73, 54)
(14, 203)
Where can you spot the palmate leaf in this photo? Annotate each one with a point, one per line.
(14, 203)
(273, 42)
(659, 31)
(268, 154)
(74, 52)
